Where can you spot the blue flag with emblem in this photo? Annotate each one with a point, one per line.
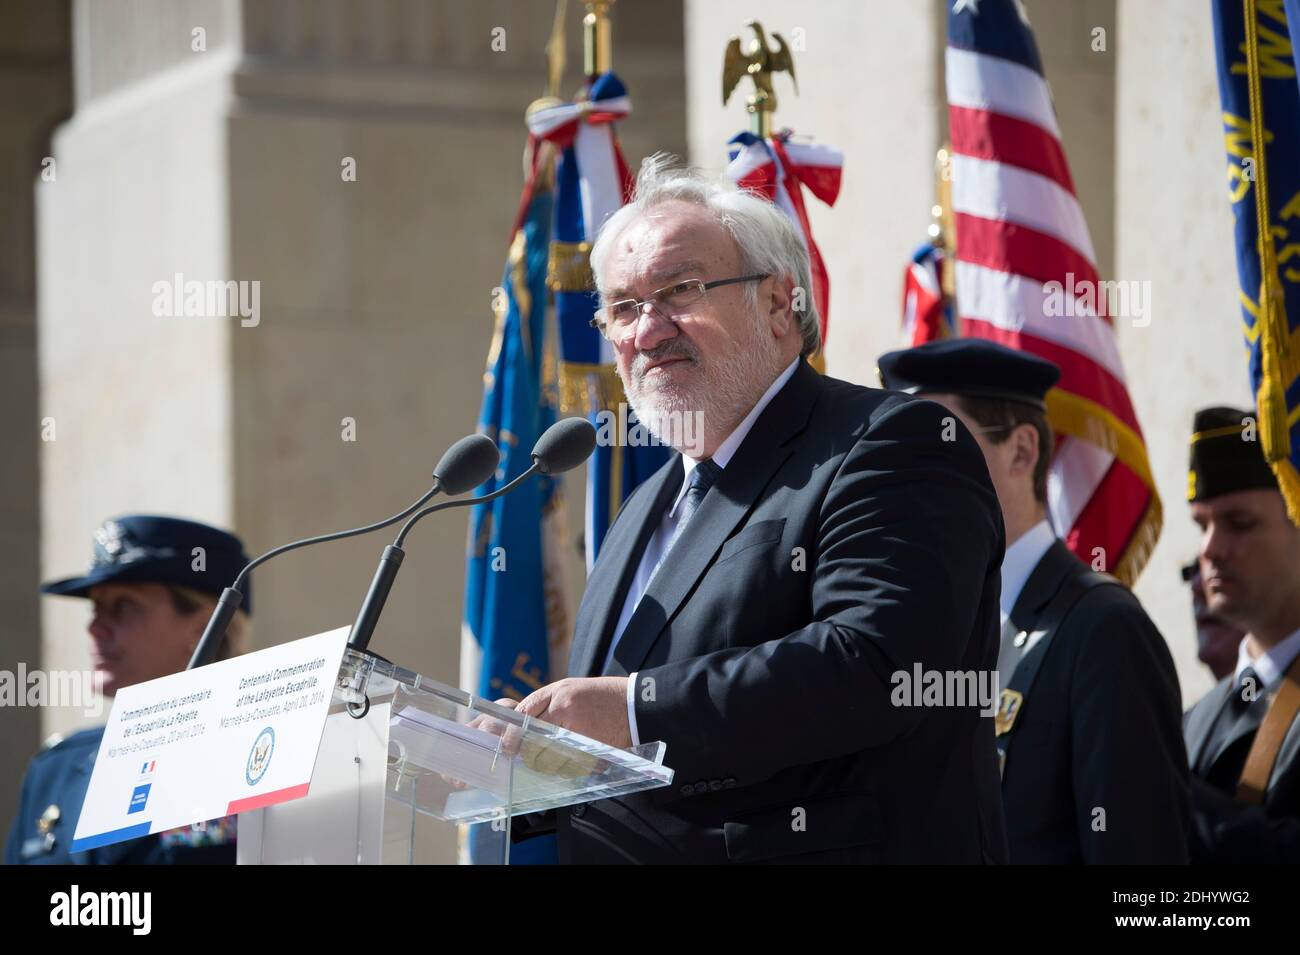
(514, 599)
(1255, 42)
(592, 182)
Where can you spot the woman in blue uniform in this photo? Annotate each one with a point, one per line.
(152, 584)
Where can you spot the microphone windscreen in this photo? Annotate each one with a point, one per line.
(468, 463)
(564, 445)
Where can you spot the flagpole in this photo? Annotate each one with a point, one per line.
(760, 62)
(942, 228)
(597, 39)
(555, 51)
(597, 60)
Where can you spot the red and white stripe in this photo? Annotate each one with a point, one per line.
(588, 126)
(1019, 226)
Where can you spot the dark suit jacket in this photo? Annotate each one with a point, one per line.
(60, 775)
(1227, 831)
(845, 541)
(1100, 729)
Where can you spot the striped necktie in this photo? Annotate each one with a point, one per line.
(702, 478)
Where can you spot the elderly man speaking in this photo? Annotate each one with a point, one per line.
(758, 602)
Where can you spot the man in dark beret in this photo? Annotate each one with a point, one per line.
(1093, 766)
(1243, 736)
(152, 584)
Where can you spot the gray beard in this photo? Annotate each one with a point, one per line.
(729, 388)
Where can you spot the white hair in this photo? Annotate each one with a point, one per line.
(764, 235)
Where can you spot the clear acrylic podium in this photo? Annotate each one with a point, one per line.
(412, 770)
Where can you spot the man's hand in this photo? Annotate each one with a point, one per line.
(593, 706)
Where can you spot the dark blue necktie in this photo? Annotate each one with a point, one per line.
(702, 478)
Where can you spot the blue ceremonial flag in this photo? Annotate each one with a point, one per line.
(514, 598)
(1258, 89)
(592, 182)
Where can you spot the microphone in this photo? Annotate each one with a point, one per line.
(562, 447)
(465, 465)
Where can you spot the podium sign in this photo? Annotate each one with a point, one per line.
(413, 770)
(219, 740)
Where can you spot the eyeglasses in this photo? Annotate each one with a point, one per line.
(616, 319)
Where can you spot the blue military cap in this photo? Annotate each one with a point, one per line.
(144, 548)
(970, 366)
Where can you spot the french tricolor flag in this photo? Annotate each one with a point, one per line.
(779, 169)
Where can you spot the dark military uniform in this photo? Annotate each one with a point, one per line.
(1221, 727)
(1093, 766)
(131, 549)
(53, 791)
(1219, 736)
(1094, 769)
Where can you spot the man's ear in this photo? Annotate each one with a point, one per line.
(1025, 449)
(780, 313)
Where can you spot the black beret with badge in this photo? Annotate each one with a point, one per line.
(146, 548)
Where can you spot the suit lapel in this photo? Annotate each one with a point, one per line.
(1046, 579)
(1245, 724)
(767, 446)
(620, 554)
(1202, 719)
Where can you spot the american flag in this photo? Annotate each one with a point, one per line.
(1019, 231)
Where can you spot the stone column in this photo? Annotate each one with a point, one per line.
(141, 402)
(36, 73)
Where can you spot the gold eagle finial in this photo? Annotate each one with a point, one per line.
(759, 62)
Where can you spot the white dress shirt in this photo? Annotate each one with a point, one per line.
(655, 550)
(1270, 665)
(1019, 562)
